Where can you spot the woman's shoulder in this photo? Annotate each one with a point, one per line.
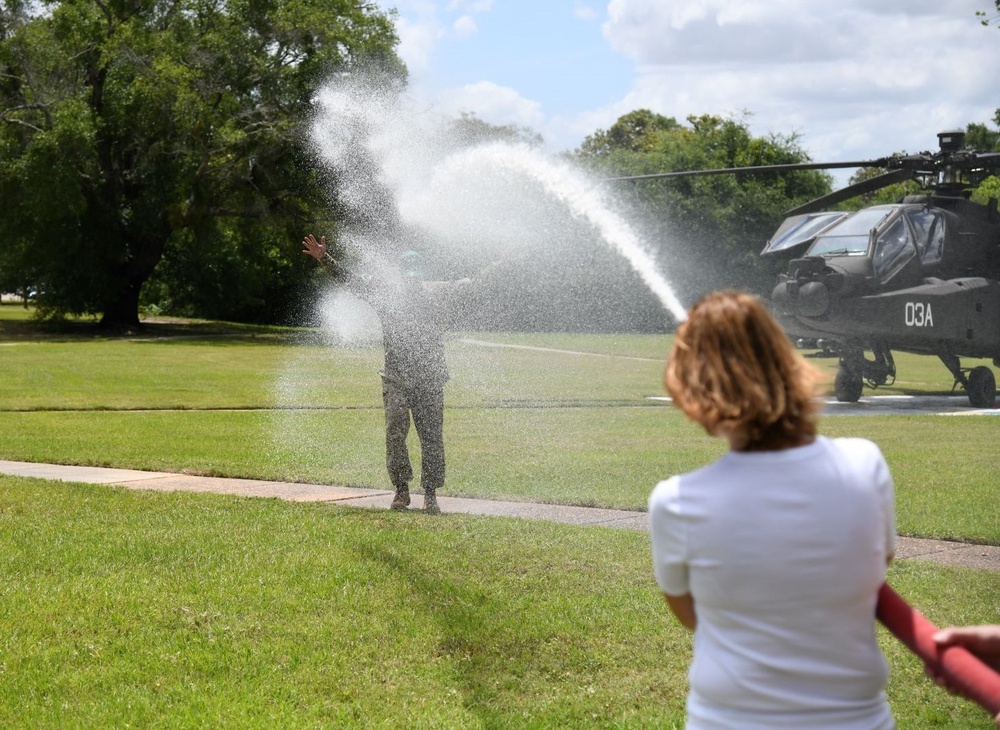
(674, 489)
(863, 458)
(854, 446)
(666, 489)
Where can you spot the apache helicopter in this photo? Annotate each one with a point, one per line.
(919, 276)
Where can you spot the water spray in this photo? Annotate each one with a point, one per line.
(384, 144)
(582, 200)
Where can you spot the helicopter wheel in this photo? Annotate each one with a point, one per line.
(982, 387)
(847, 386)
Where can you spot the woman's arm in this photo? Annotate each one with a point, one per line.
(683, 608)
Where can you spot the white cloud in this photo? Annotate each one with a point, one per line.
(724, 31)
(493, 103)
(465, 26)
(417, 41)
(470, 6)
(856, 79)
(585, 12)
(422, 25)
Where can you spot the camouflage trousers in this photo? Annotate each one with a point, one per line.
(426, 406)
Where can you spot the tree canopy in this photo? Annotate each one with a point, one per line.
(709, 230)
(142, 132)
(152, 152)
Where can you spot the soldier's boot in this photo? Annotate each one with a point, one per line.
(431, 504)
(402, 499)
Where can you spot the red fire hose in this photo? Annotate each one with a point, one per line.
(967, 673)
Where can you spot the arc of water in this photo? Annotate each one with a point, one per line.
(395, 138)
(584, 201)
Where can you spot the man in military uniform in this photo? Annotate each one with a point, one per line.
(414, 372)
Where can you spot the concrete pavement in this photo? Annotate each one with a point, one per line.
(909, 548)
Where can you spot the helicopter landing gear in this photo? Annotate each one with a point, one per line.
(855, 370)
(980, 383)
(982, 387)
(847, 386)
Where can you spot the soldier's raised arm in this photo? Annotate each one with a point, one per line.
(317, 249)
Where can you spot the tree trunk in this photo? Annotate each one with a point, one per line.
(121, 313)
(121, 310)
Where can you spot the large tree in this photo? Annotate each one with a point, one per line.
(131, 130)
(709, 230)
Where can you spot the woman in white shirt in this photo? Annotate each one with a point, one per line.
(773, 555)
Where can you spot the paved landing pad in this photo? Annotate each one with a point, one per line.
(900, 405)
(942, 405)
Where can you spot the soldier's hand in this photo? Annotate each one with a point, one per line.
(314, 248)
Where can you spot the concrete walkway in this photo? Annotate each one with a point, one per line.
(909, 548)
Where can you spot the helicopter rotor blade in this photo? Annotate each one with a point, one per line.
(985, 160)
(859, 188)
(754, 168)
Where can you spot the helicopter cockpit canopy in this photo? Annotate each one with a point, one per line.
(852, 236)
(928, 229)
(917, 231)
(894, 233)
(800, 230)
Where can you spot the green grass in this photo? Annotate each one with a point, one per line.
(582, 427)
(179, 610)
(182, 610)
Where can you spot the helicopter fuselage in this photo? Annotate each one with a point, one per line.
(921, 276)
(960, 317)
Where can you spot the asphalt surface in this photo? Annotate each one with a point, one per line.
(908, 548)
(870, 404)
(903, 405)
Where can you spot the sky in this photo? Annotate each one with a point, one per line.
(853, 79)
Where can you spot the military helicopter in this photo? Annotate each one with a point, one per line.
(921, 275)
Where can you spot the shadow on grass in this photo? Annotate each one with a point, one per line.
(31, 329)
(480, 654)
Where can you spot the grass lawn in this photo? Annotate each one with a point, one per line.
(582, 427)
(179, 610)
(145, 609)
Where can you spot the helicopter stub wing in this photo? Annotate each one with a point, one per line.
(952, 316)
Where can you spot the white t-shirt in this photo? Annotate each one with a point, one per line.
(783, 553)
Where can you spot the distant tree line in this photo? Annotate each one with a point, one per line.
(152, 158)
(708, 231)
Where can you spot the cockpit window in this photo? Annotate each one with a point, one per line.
(852, 235)
(800, 229)
(928, 228)
(893, 249)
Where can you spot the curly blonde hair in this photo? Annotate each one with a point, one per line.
(732, 367)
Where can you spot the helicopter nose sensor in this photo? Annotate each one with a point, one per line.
(807, 299)
(813, 299)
